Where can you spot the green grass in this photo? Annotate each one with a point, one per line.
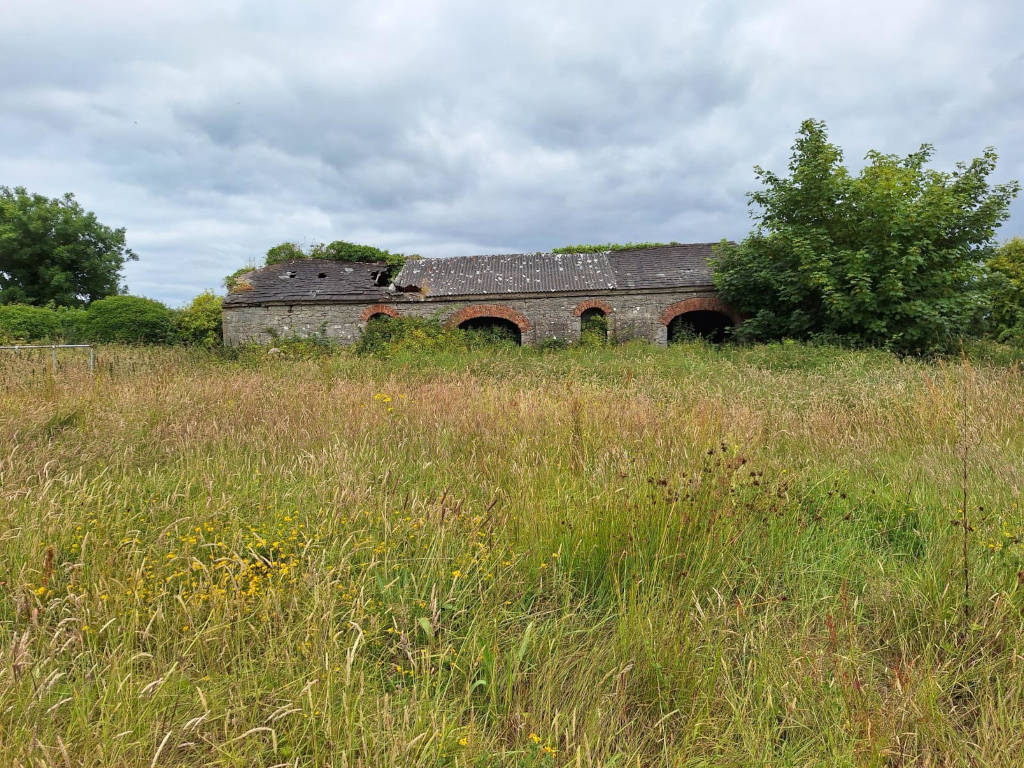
(621, 556)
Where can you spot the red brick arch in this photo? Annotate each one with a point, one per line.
(377, 309)
(583, 306)
(699, 304)
(490, 310)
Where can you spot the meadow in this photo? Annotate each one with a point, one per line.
(628, 556)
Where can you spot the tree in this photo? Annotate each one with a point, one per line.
(1005, 287)
(200, 323)
(129, 320)
(51, 250)
(890, 257)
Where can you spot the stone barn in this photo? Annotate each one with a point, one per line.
(647, 293)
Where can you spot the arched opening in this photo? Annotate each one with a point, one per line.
(377, 316)
(593, 325)
(493, 329)
(701, 324)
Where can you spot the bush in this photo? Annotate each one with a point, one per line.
(26, 323)
(129, 320)
(386, 334)
(593, 329)
(200, 323)
(74, 325)
(1004, 284)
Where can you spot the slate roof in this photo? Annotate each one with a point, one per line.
(311, 280)
(508, 273)
(670, 266)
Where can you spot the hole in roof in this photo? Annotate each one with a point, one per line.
(322, 275)
(287, 275)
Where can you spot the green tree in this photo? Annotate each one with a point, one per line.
(51, 250)
(890, 257)
(1005, 287)
(200, 322)
(129, 320)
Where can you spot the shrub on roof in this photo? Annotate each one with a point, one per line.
(602, 247)
(338, 250)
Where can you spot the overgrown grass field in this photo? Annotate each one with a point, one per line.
(611, 557)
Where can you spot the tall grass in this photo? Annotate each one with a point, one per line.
(607, 557)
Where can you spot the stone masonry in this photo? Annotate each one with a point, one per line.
(545, 295)
(633, 315)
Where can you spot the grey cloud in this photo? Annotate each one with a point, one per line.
(214, 130)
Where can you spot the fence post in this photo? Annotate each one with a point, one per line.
(53, 354)
(92, 360)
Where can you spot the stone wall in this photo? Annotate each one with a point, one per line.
(639, 314)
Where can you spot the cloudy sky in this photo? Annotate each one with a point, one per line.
(213, 129)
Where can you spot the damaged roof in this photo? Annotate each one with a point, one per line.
(669, 266)
(311, 280)
(315, 280)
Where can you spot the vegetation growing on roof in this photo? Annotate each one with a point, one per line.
(338, 250)
(602, 247)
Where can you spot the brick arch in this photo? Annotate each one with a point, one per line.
(700, 304)
(583, 306)
(377, 309)
(490, 310)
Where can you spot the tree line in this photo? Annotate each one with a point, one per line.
(899, 255)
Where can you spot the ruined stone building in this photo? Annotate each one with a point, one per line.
(646, 293)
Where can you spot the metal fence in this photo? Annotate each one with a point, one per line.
(53, 349)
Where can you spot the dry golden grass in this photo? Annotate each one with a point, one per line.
(607, 557)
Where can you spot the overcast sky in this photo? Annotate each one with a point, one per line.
(212, 130)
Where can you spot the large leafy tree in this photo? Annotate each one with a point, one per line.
(892, 256)
(51, 250)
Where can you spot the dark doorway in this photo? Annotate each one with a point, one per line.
(379, 316)
(493, 329)
(702, 324)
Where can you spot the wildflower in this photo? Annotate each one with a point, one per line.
(456, 573)
(550, 751)
(41, 591)
(535, 738)
(463, 741)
